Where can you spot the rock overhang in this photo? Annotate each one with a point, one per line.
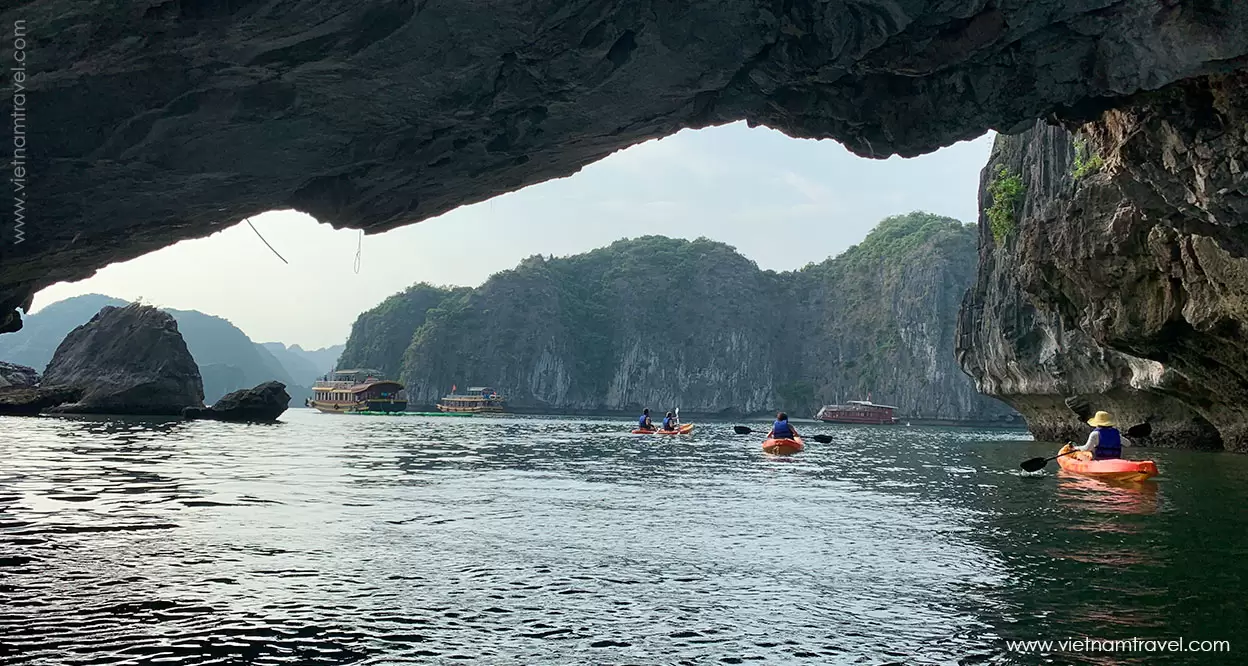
(170, 119)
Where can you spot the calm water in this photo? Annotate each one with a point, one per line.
(374, 540)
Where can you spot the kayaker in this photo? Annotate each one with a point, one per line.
(669, 422)
(781, 428)
(1105, 442)
(644, 422)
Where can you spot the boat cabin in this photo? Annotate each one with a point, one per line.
(858, 411)
(478, 399)
(357, 390)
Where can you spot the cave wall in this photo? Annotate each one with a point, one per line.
(1126, 287)
(154, 121)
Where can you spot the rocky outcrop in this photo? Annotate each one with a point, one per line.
(43, 331)
(228, 360)
(31, 400)
(662, 322)
(127, 360)
(17, 376)
(1125, 279)
(161, 121)
(263, 403)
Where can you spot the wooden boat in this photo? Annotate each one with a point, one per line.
(478, 400)
(858, 411)
(357, 391)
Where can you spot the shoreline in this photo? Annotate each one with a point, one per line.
(726, 417)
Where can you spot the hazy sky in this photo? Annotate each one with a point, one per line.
(781, 202)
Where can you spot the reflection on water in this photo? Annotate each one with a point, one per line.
(331, 539)
(1107, 497)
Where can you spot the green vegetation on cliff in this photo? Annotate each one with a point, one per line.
(1006, 190)
(665, 322)
(380, 335)
(881, 317)
(1087, 162)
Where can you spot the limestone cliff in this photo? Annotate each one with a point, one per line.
(1124, 277)
(661, 322)
(145, 123)
(380, 336)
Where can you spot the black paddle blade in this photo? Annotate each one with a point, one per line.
(823, 439)
(741, 430)
(1080, 406)
(1142, 430)
(1034, 465)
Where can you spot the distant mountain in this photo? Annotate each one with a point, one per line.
(228, 360)
(215, 341)
(41, 333)
(325, 359)
(300, 368)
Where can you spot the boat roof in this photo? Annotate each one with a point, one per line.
(480, 388)
(356, 371)
(358, 388)
(868, 403)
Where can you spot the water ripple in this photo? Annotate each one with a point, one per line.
(337, 539)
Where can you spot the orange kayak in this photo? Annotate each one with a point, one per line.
(783, 447)
(682, 430)
(1118, 469)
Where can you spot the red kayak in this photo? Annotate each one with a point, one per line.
(1116, 469)
(783, 447)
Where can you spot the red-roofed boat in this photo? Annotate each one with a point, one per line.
(858, 411)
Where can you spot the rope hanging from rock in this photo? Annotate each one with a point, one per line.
(253, 228)
(359, 247)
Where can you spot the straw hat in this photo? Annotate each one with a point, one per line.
(1101, 420)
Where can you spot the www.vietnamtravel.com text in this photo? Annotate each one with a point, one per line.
(1077, 645)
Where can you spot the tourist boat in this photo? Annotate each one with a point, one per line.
(478, 400)
(357, 391)
(858, 411)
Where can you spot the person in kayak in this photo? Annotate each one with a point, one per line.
(1105, 442)
(669, 422)
(644, 422)
(781, 428)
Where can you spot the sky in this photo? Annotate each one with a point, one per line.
(780, 201)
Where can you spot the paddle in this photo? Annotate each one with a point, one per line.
(1036, 464)
(822, 439)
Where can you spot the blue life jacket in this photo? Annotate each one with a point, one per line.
(641, 422)
(781, 430)
(1108, 444)
(669, 423)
